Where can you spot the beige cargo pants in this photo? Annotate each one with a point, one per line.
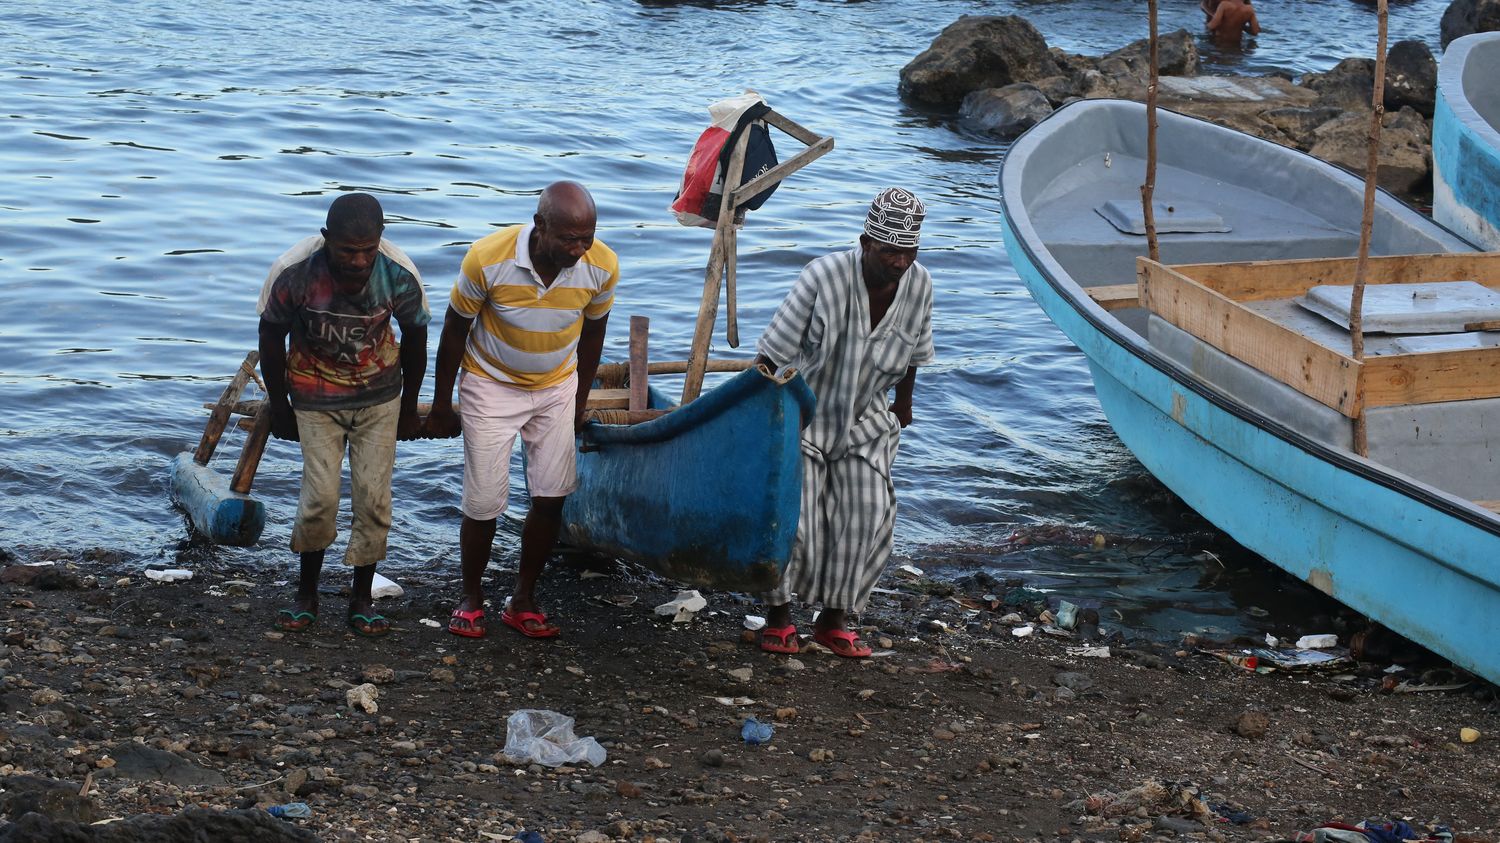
(369, 434)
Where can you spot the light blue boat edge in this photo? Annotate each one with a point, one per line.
(1465, 152)
(1426, 572)
(219, 514)
(708, 494)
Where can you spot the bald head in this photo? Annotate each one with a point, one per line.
(565, 203)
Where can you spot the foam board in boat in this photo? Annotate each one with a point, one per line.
(1171, 217)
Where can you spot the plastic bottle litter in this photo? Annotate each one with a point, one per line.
(168, 574)
(383, 586)
(1317, 642)
(546, 738)
(529, 837)
(290, 811)
(683, 607)
(755, 732)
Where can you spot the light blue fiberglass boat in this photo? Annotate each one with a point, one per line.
(1466, 139)
(1404, 535)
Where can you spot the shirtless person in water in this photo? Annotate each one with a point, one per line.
(1227, 19)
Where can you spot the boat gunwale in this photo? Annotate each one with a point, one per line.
(1450, 86)
(701, 410)
(1111, 327)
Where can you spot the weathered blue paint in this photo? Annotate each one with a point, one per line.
(223, 516)
(1465, 144)
(1423, 563)
(707, 494)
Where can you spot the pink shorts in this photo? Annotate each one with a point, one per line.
(493, 413)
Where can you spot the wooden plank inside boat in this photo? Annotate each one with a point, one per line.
(1320, 373)
(1261, 280)
(1115, 296)
(1432, 376)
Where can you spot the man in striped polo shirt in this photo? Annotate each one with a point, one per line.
(857, 324)
(526, 324)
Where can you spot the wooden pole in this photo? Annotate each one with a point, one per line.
(708, 310)
(731, 318)
(255, 445)
(610, 371)
(640, 332)
(1366, 224)
(1148, 189)
(220, 417)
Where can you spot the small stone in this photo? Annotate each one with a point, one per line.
(1468, 735)
(629, 790)
(592, 837)
(48, 645)
(363, 697)
(712, 758)
(794, 664)
(48, 696)
(442, 674)
(295, 780)
(786, 713)
(379, 674)
(820, 755)
(866, 693)
(742, 674)
(1252, 725)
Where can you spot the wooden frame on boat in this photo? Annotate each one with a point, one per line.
(1207, 301)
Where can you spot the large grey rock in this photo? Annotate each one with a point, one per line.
(1405, 156)
(973, 53)
(1176, 55)
(144, 763)
(1006, 112)
(1349, 85)
(1299, 123)
(1466, 17)
(1410, 77)
(21, 795)
(194, 825)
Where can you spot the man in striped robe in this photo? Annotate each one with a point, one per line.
(857, 324)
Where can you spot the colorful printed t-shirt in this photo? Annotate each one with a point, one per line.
(527, 334)
(343, 353)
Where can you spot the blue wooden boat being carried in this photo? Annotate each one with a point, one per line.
(707, 493)
(1466, 140)
(1238, 397)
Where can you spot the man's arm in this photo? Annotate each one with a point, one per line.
(1218, 19)
(590, 346)
(902, 405)
(413, 370)
(442, 422)
(1254, 24)
(273, 372)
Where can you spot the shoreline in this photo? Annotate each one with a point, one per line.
(969, 733)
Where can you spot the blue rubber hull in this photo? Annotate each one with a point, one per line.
(1466, 141)
(1417, 560)
(707, 494)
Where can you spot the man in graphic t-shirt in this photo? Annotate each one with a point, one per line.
(345, 383)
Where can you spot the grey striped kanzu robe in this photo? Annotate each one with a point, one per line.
(848, 502)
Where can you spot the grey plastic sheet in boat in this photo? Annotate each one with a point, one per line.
(1441, 307)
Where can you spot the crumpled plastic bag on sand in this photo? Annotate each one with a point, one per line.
(546, 738)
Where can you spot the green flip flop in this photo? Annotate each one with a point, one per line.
(357, 622)
(294, 620)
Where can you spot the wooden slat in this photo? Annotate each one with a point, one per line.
(1430, 376)
(214, 429)
(791, 127)
(1115, 296)
(608, 399)
(1318, 372)
(623, 416)
(1492, 506)
(608, 372)
(718, 256)
(640, 336)
(1260, 280)
(817, 150)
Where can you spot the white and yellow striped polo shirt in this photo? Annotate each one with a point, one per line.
(527, 334)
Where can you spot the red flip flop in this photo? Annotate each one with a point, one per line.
(519, 620)
(787, 635)
(852, 649)
(467, 624)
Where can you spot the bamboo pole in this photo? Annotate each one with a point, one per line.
(718, 257)
(1366, 224)
(1148, 189)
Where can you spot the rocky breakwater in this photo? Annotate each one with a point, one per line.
(998, 74)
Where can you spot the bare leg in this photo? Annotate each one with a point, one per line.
(475, 539)
(302, 614)
(538, 538)
(361, 603)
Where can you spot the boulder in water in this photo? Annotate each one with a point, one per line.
(1405, 156)
(1410, 77)
(1466, 17)
(1006, 112)
(973, 53)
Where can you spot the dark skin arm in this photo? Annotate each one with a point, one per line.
(442, 422)
(901, 407)
(590, 346)
(273, 372)
(413, 370)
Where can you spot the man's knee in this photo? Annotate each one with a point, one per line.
(549, 507)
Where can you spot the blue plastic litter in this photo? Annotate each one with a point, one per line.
(290, 811)
(755, 732)
(529, 837)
